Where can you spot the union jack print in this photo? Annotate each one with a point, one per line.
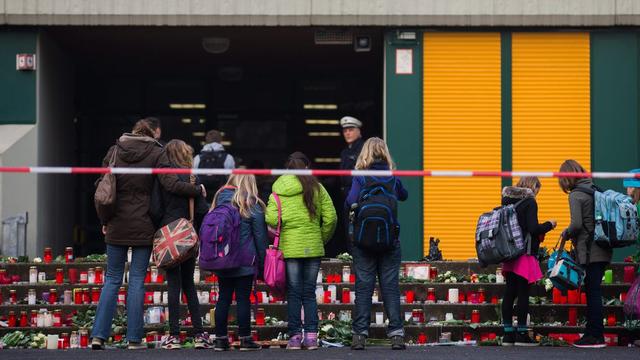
(174, 242)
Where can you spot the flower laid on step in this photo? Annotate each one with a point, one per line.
(345, 257)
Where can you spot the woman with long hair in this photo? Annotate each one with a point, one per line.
(130, 225)
(589, 254)
(180, 277)
(241, 192)
(525, 270)
(308, 222)
(375, 156)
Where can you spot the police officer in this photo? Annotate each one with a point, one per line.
(348, 157)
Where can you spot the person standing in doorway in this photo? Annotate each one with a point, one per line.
(351, 131)
(213, 156)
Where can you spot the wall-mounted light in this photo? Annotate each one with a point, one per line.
(320, 106)
(202, 121)
(226, 143)
(326, 160)
(215, 45)
(186, 121)
(198, 134)
(321, 122)
(362, 43)
(323, 133)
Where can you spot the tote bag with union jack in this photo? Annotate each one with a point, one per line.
(175, 242)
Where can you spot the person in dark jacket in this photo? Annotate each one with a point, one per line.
(241, 191)
(180, 277)
(592, 257)
(130, 225)
(375, 156)
(524, 270)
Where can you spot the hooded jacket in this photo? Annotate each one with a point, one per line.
(229, 162)
(527, 213)
(301, 236)
(253, 233)
(131, 224)
(582, 226)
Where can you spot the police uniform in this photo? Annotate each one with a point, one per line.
(349, 155)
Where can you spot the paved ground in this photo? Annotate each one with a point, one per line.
(431, 353)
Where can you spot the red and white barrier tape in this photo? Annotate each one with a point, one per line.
(408, 173)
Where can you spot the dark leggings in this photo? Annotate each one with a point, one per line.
(181, 278)
(517, 287)
(242, 287)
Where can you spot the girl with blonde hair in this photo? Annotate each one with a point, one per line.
(375, 156)
(241, 191)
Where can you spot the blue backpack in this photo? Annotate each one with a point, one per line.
(220, 243)
(616, 218)
(373, 226)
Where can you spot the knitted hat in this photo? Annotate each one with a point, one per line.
(632, 182)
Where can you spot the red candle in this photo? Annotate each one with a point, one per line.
(583, 298)
(573, 297)
(57, 318)
(160, 279)
(466, 336)
(77, 296)
(557, 295)
(611, 319)
(629, 274)
(254, 335)
(48, 255)
(13, 297)
(327, 297)
(623, 296)
(431, 295)
(147, 278)
(84, 338)
(573, 316)
(99, 275)
(84, 277)
(53, 296)
(148, 297)
(492, 336)
(117, 337)
(494, 299)
(410, 296)
(259, 297)
(12, 319)
(73, 275)
(352, 278)
(481, 296)
(260, 317)
(475, 317)
(68, 255)
(346, 296)
(95, 295)
(422, 338)
(24, 322)
(86, 296)
(59, 276)
(34, 318)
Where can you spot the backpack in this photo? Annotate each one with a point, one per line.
(220, 244)
(615, 217)
(499, 237)
(212, 160)
(373, 225)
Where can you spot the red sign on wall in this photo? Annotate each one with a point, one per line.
(25, 62)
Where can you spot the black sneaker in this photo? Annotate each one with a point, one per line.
(222, 344)
(509, 338)
(590, 342)
(523, 339)
(97, 344)
(397, 343)
(358, 342)
(247, 344)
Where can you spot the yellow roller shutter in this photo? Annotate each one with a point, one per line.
(551, 112)
(462, 130)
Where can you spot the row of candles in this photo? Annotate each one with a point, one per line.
(77, 340)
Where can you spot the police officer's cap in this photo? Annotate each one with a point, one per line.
(350, 121)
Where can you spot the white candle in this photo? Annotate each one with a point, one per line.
(379, 318)
(52, 342)
(319, 294)
(448, 317)
(454, 297)
(352, 296)
(334, 292)
(408, 315)
(157, 297)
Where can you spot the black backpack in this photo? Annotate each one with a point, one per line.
(374, 227)
(212, 160)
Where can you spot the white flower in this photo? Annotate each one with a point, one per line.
(326, 328)
(447, 281)
(37, 260)
(454, 280)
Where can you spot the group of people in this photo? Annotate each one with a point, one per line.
(308, 220)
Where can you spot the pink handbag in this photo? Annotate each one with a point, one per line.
(275, 275)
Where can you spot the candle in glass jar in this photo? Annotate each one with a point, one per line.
(48, 319)
(453, 296)
(99, 275)
(86, 296)
(431, 295)
(24, 321)
(346, 296)
(573, 316)
(379, 318)
(410, 296)
(334, 293)
(608, 276)
(499, 276)
(422, 338)
(74, 340)
(84, 277)
(48, 255)
(475, 317)
(42, 276)
(68, 297)
(154, 274)
(122, 296)
(73, 275)
(53, 296)
(33, 275)
(346, 273)
(623, 296)
(260, 317)
(319, 294)
(629, 274)
(84, 339)
(31, 297)
(13, 297)
(34, 318)
(12, 319)
(196, 275)
(57, 318)
(68, 254)
(95, 295)
(611, 319)
(481, 296)
(91, 276)
(59, 276)
(434, 273)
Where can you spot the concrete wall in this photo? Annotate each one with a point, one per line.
(322, 12)
(56, 145)
(18, 192)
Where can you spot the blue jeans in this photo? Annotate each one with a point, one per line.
(592, 281)
(301, 291)
(386, 267)
(116, 259)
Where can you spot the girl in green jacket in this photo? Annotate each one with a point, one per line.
(308, 222)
